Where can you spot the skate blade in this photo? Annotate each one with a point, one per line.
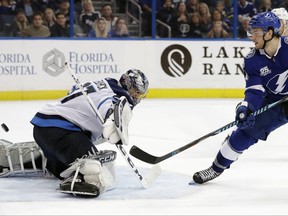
(192, 182)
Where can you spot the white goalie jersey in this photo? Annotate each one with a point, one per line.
(62, 113)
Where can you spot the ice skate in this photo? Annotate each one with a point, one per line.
(205, 175)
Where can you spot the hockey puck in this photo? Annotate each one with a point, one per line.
(4, 127)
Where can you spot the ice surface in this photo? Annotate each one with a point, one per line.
(257, 184)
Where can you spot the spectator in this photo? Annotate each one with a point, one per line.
(99, 29)
(192, 6)
(41, 5)
(282, 14)
(60, 28)
(36, 29)
(221, 6)
(265, 6)
(217, 31)
(120, 29)
(245, 9)
(88, 15)
(204, 13)
(106, 12)
(49, 17)
(242, 31)
(6, 15)
(196, 27)
(217, 16)
(64, 7)
(20, 23)
(210, 4)
(275, 3)
(7, 7)
(165, 15)
(205, 16)
(166, 12)
(29, 8)
(180, 21)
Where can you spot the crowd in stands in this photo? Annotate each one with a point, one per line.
(51, 18)
(210, 19)
(185, 18)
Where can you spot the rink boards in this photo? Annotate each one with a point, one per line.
(34, 69)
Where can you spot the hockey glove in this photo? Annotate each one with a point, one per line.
(244, 117)
(109, 129)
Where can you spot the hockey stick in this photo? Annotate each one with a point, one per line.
(148, 158)
(153, 173)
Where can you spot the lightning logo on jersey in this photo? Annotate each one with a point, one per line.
(277, 84)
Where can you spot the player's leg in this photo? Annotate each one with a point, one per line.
(232, 148)
(239, 141)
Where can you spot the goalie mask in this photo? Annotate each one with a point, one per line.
(135, 82)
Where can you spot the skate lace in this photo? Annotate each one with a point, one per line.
(208, 174)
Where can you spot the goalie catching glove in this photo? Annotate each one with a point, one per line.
(116, 123)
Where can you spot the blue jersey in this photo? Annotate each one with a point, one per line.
(248, 9)
(266, 77)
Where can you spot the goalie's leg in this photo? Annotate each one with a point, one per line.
(21, 158)
(62, 147)
(91, 175)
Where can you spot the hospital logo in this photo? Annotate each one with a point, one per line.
(53, 62)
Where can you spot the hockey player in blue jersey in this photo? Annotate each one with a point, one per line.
(68, 131)
(266, 76)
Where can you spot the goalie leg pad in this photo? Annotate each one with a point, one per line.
(122, 117)
(14, 156)
(91, 175)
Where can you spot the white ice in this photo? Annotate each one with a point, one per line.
(256, 184)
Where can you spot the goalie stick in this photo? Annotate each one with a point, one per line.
(151, 159)
(153, 173)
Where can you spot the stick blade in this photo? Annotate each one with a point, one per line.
(142, 155)
(153, 173)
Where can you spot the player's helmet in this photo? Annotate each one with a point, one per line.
(265, 21)
(136, 83)
(281, 13)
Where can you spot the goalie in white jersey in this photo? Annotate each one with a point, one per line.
(68, 130)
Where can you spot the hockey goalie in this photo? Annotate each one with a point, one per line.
(67, 131)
